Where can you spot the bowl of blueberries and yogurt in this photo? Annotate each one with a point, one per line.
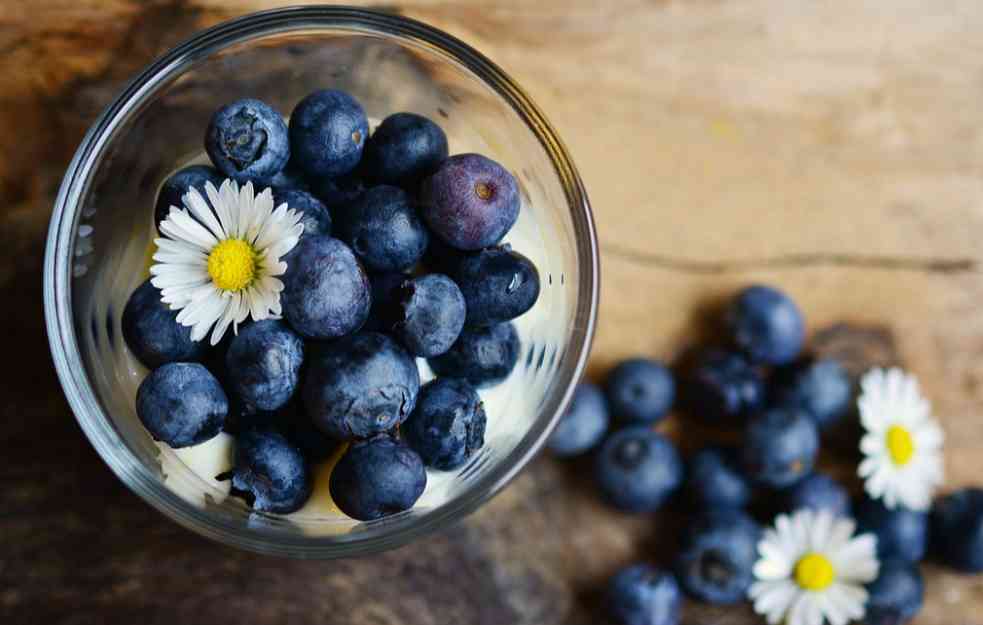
(320, 280)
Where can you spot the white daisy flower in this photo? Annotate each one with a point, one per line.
(220, 267)
(902, 446)
(812, 568)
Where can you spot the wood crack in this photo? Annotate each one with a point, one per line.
(791, 261)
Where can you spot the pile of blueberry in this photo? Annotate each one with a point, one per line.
(763, 390)
(400, 259)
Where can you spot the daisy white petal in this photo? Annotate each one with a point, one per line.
(203, 212)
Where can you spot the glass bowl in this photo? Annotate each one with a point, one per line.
(102, 228)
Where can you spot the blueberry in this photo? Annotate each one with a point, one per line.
(404, 149)
(638, 469)
(640, 390)
(247, 140)
(383, 229)
(822, 388)
(376, 478)
(818, 492)
(316, 217)
(470, 202)
(722, 387)
(957, 529)
(290, 177)
(263, 364)
(584, 423)
(715, 480)
(448, 424)
(643, 595)
(482, 356)
(901, 533)
(271, 471)
(896, 596)
(179, 183)
(428, 314)
(328, 130)
(384, 291)
(780, 447)
(182, 404)
(152, 333)
(326, 292)
(767, 325)
(715, 563)
(336, 192)
(498, 285)
(360, 385)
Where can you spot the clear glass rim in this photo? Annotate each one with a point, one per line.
(58, 277)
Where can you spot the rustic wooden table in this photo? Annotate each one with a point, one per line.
(834, 149)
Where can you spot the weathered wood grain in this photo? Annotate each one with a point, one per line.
(834, 149)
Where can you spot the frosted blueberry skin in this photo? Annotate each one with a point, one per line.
(383, 229)
(896, 596)
(448, 424)
(470, 202)
(174, 188)
(326, 292)
(360, 385)
(640, 390)
(643, 595)
(328, 130)
(901, 533)
(271, 472)
(315, 215)
(715, 480)
(404, 149)
(584, 423)
(338, 191)
(182, 404)
(482, 356)
(766, 325)
(716, 560)
(376, 478)
(247, 140)
(263, 364)
(637, 470)
(498, 285)
(429, 314)
(957, 530)
(152, 333)
(780, 447)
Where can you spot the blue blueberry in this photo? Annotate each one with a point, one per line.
(376, 478)
(179, 183)
(247, 140)
(316, 217)
(182, 404)
(383, 229)
(404, 149)
(818, 492)
(896, 596)
(640, 390)
(263, 364)
(339, 191)
(326, 292)
(360, 385)
(767, 325)
(822, 388)
(780, 447)
(957, 529)
(448, 424)
(152, 333)
(715, 563)
(498, 285)
(482, 356)
(270, 471)
(723, 387)
(428, 314)
(715, 480)
(290, 177)
(637, 469)
(470, 202)
(901, 533)
(328, 130)
(643, 595)
(584, 423)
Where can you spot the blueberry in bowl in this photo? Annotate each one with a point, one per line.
(247, 140)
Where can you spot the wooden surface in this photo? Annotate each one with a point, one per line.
(832, 148)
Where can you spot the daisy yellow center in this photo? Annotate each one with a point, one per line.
(232, 265)
(900, 445)
(814, 571)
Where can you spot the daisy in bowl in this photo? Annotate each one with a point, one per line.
(902, 444)
(812, 568)
(219, 258)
